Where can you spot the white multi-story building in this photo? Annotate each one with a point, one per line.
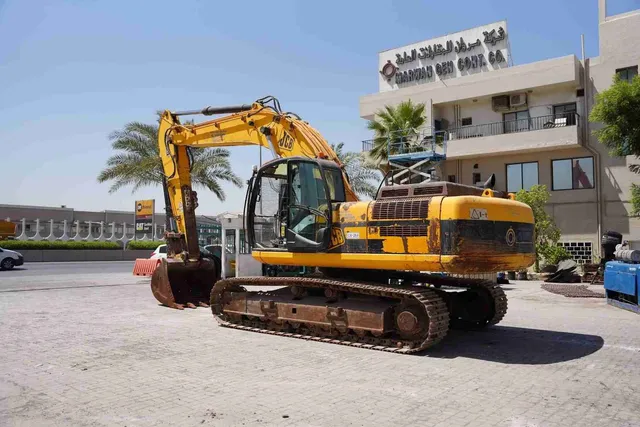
(527, 124)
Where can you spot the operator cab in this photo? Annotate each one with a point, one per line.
(289, 204)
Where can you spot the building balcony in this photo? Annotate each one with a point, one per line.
(523, 135)
(507, 137)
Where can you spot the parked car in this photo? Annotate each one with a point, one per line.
(161, 252)
(10, 259)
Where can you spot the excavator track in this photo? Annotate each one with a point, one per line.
(495, 292)
(426, 298)
(433, 305)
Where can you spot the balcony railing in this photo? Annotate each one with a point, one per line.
(515, 126)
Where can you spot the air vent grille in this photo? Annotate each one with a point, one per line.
(401, 209)
(429, 190)
(403, 231)
(395, 192)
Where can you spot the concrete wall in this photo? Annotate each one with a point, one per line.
(50, 255)
(246, 265)
(619, 48)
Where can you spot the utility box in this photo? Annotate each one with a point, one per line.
(7, 230)
(621, 284)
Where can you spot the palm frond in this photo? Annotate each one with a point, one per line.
(137, 163)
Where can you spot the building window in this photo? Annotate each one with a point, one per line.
(516, 122)
(521, 176)
(476, 178)
(627, 74)
(231, 241)
(451, 178)
(565, 111)
(572, 174)
(243, 243)
(467, 121)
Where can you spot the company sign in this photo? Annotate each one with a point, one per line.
(473, 51)
(144, 212)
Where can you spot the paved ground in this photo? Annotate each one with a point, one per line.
(108, 355)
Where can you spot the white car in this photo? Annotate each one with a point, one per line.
(160, 252)
(10, 259)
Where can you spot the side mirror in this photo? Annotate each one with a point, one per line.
(322, 234)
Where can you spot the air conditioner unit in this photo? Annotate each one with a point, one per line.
(500, 103)
(518, 100)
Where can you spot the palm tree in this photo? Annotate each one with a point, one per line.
(394, 125)
(360, 172)
(139, 164)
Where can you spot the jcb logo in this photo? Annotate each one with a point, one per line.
(286, 142)
(337, 238)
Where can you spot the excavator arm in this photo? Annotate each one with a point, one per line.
(262, 123)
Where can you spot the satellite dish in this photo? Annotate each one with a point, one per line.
(491, 182)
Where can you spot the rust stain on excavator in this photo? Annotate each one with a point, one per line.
(433, 236)
(476, 263)
(405, 243)
(349, 213)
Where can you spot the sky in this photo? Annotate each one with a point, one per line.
(72, 72)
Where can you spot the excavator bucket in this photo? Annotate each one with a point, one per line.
(178, 285)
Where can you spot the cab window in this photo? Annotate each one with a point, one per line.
(335, 183)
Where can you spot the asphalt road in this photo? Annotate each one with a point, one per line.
(55, 275)
(48, 268)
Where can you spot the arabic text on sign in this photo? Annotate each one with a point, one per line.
(431, 51)
(490, 37)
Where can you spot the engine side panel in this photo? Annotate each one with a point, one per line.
(459, 234)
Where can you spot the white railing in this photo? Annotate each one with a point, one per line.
(66, 231)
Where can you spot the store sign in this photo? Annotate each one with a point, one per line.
(467, 52)
(144, 212)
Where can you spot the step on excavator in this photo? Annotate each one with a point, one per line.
(300, 210)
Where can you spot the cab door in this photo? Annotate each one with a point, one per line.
(309, 207)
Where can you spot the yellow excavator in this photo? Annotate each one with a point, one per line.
(381, 262)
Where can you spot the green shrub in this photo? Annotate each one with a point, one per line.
(546, 232)
(554, 254)
(144, 244)
(635, 200)
(45, 244)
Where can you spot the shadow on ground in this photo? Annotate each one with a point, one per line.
(520, 346)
